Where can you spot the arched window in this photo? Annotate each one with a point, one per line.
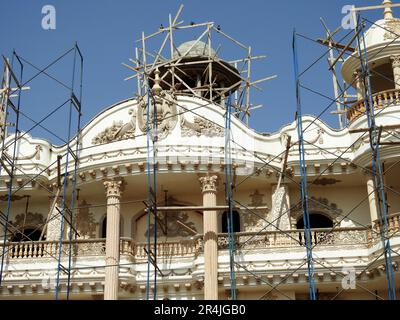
(317, 221)
(236, 222)
(104, 227)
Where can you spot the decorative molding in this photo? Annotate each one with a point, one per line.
(118, 131)
(317, 205)
(35, 154)
(200, 127)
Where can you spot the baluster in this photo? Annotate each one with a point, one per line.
(396, 224)
(385, 99)
(20, 250)
(380, 104)
(391, 221)
(391, 97)
(375, 101)
(396, 94)
(30, 249)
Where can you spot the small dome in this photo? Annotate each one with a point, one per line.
(383, 31)
(200, 49)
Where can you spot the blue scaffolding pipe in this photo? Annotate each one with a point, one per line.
(65, 208)
(72, 206)
(12, 164)
(229, 194)
(152, 192)
(376, 172)
(150, 196)
(303, 174)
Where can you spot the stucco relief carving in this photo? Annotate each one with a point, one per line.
(85, 223)
(317, 205)
(254, 222)
(28, 220)
(173, 224)
(393, 29)
(34, 155)
(163, 111)
(118, 131)
(318, 138)
(200, 127)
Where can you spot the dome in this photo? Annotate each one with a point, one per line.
(200, 49)
(382, 32)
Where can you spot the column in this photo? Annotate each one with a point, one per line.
(396, 70)
(54, 220)
(372, 200)
(280, 213)
(113, 194)
(359, 84)
(210, 229)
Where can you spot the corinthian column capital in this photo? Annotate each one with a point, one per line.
(395, 60)
(114, 187)
(208, 183)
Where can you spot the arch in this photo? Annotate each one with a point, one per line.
(317, 206)
(103, 227)
(235, 220)
(317, 221)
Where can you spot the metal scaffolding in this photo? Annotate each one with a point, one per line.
(12, 132)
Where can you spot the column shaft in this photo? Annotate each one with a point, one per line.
(372, 201)
(113, 193)
(210, 228)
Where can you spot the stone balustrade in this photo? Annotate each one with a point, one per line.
(193, 247)
(380, 100)
(393, 225)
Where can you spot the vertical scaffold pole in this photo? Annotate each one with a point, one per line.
(152, 136)
(65, 208)
(303, 182)
(11, 162)
(377, 171)
(229, 194)
(76, 164)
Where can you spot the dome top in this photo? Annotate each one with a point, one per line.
(383, 31)
(200, 49)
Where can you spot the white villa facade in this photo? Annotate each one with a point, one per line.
(112, 182)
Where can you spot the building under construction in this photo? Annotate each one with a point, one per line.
(171, 195)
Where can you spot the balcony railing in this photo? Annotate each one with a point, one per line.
(380, 100)
(393, 224)
(295, 238)
(191, 248)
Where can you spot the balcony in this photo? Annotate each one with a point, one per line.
(380, 100)
(136, 252)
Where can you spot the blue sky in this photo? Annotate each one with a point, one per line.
(106, 32)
